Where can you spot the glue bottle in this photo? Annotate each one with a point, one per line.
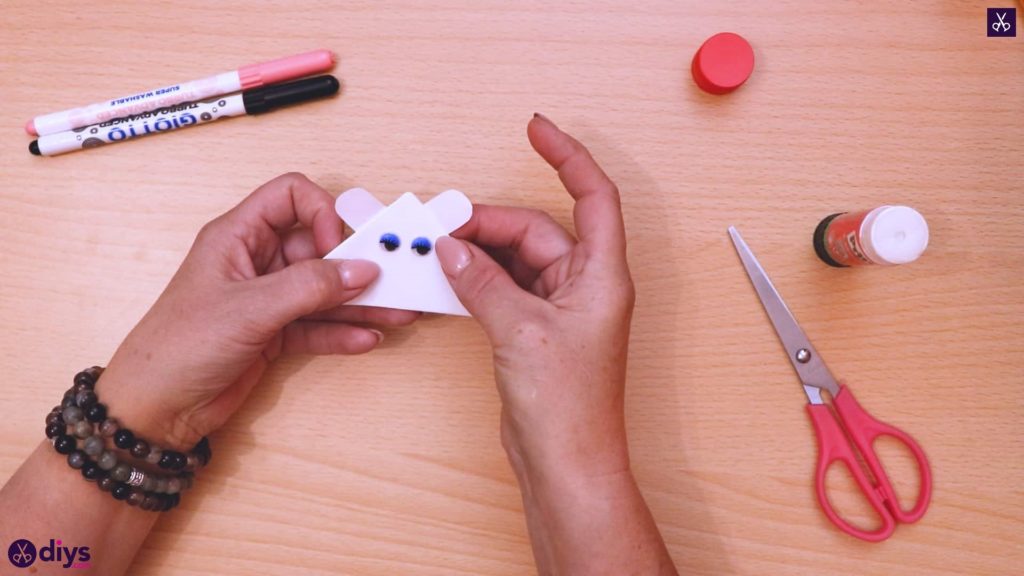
(884, 235)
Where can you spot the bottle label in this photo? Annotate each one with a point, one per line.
(842, 239)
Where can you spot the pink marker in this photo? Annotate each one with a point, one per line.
(245, 78)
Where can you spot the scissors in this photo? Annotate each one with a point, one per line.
(845, 431)
(1005, 26)
(23, 557)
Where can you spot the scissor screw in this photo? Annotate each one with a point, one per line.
(803, 355)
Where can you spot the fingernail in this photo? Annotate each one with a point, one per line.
(378, 333)
(453, 254)
(357, 273)
(543, 117)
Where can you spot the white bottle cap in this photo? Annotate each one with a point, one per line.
(894, 235)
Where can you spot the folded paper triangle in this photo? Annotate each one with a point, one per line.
(400, 238)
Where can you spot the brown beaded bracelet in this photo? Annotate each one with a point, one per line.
(81, 416)
(135, 496)
(82, 396)
(92, 446)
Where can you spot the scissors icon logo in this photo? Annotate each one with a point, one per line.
(21, 553)
(1002, 22)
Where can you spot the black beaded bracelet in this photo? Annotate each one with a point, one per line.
(93, 447)
(83, 396)
(134, 496)
(82, 416)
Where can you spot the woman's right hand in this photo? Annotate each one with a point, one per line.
(557, 311)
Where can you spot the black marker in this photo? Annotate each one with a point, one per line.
(187, 114)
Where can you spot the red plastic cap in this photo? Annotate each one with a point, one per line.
(723, 63)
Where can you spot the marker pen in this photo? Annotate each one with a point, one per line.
(184, 115)
(245, 78)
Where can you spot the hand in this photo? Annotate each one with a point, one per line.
(252, 287)
(557, 312)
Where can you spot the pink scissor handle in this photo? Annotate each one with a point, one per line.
(864, 430)
(832, 447)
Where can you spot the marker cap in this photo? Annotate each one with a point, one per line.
(271, 97)
(274, 71)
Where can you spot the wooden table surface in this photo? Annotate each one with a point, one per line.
(390, 463)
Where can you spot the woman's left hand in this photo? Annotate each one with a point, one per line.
(253, 287)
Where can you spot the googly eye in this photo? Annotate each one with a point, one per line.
(421, 245)
(390, 242)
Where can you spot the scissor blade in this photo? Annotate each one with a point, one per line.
(809, 367)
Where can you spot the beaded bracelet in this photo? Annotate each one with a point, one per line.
(93, 447)
(91, 471)
(82, 416)
(89, 409)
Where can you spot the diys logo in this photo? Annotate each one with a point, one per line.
(1002, 22)
(23, 553)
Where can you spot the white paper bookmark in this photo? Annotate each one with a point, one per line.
(400, 238)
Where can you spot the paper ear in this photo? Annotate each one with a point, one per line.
(451, 208)
(356, 206)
